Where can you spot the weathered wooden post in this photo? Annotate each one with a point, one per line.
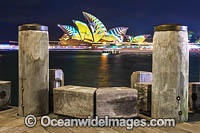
(140, 77)
(144, 97)
(194, 96)
(33, 70)
(170, 72)
(56, 79)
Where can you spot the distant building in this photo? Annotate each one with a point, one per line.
(94, 31)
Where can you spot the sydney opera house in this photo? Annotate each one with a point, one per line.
(94, 31)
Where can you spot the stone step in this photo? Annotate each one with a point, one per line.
(81, 102)
(116, 102)
(74, 101)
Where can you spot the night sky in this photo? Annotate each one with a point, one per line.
(139, 15)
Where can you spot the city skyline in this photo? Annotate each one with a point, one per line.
(139, 15)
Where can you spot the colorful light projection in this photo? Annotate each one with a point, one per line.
(84, 30)
(70, 32)
(137, 39)
(96, 27)
(118, 33)
(95, 32)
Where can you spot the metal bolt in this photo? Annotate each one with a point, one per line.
(178, 98)
(180, 113)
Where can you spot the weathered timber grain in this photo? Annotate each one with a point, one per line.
(140, 77)
(56, 79)
(144, 97)
(170, 73)
(56, 75)
(194, 96)
(17, 125)
(33, 70)
(5, 94)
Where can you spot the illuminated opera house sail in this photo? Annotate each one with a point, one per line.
(94, 31)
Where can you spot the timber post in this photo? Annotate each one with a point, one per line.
(33, 70)
(170, 72)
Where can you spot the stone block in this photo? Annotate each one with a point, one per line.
(5, 94)
(144, 97)
(116, 102)
(194, 96)
(75, 101)
(140, 76)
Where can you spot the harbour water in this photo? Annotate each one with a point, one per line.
(89, 68)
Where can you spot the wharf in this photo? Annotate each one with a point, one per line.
(10, 122)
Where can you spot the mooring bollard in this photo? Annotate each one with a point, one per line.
(194, 96)
(56, 79)
(140, 77)
(144, 97)
(5, 94)
(170, 72)
(33, 70)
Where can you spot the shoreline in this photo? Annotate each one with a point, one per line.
(98, 52)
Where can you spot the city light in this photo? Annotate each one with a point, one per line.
(94, 31)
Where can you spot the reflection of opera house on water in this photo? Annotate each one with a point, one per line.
(93, 32)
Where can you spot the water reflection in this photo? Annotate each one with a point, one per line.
(90, 68)
(103, 77)
(194, 69)
(84, 72)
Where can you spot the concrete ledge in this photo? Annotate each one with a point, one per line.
(75, 101)
(5, 94)
(116, 102)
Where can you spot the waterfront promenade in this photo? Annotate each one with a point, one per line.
(10, 122)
